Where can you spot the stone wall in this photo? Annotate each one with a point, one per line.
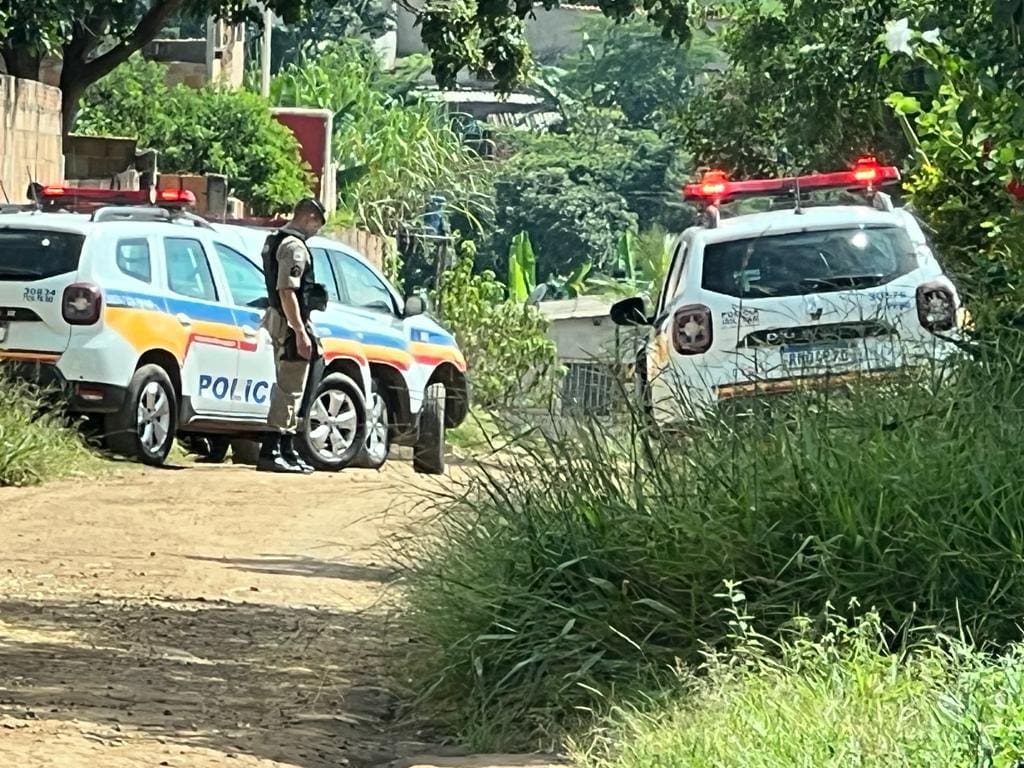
(30, 136)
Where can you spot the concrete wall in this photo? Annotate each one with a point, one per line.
(30, 136)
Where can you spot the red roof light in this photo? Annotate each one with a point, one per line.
(715, 188)
(177, 196)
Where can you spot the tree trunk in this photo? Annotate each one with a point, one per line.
(71, 90)
(21, 62)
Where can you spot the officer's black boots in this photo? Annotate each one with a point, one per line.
(271, 459)
(289, 454)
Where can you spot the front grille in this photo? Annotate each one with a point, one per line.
(817, 334)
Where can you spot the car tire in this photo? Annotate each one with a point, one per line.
(333, 430)
(211, 449)
(429, 453)
(377, 445)
(145, 427)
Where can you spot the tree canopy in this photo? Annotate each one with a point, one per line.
(92, 37)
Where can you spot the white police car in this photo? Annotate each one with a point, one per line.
(795, 296)
(419, 386)
(149, 318)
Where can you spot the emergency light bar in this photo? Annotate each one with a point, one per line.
(715, 187)
(82, 199)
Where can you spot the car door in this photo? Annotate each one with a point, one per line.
(385, 338)
(211, 348)
(248, 297)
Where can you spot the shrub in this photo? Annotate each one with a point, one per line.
(504, 341)
(34, 447)
(592, 566)
(841, 700)
(209, 130)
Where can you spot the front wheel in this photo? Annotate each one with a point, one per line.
(428, 455)
(144, 428)
(377, 445)
(334, 427)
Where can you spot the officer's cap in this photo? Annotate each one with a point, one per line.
(312, 204)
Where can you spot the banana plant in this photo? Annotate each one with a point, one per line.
(522, 268)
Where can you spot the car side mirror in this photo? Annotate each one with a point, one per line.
(631, 312)
(261, 303)
(414, 306)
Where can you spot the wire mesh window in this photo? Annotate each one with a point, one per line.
(591, 388)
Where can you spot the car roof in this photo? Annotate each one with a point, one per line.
(62, 222)
(764, 223)
(252, 236)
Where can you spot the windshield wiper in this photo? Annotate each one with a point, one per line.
(845, 281)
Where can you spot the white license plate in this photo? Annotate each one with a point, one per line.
(821, 358)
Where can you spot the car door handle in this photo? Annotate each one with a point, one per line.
(184, 319)
(249, 331)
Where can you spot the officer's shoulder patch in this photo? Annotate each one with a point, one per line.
(296, 271)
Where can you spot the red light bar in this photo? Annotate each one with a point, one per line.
(716, 188)
(85, 199)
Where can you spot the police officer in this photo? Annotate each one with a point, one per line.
(293, 293)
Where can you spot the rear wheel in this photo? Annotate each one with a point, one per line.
(144, 428)
(334, 428)
(377, 445)
(211, 449)
(428, 455)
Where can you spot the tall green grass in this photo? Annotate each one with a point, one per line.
(583, 570)
(35, 446)
(837, 700)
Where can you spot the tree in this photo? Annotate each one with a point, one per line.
(206, 130)
(488, 36)
(92, 37)
(630, 67)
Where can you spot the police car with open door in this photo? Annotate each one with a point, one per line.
(146, 317)
(797, 295)
(419, 385)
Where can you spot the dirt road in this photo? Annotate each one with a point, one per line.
(206, 616)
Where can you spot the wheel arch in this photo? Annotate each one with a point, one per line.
(396, 395)
(457, 393)
(168, 362)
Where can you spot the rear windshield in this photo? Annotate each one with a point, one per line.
(808, 262)
(35, 254)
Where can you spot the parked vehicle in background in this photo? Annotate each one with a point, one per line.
(147, 318)
(419, 388)
(799, 295)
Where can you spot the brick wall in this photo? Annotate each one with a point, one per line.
(30, 135)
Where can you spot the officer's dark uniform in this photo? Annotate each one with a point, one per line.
(288, 264)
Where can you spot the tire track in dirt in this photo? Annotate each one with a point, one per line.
(204, 616)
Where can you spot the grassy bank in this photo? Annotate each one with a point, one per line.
(35, 447)
(841, 700)
(577, 576)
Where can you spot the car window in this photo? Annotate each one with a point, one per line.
(815, 261)
(133, 259)
(673, 275)
(36, 254)
(360, 286)
(324, 273)
(245, 279)
(188, 270)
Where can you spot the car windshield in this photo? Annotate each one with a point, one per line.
(814, 261)
(32, 254)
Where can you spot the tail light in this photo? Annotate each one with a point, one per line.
(936, 307)
(82, 304)
(691, 330)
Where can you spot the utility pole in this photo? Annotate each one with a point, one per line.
(268, 23)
